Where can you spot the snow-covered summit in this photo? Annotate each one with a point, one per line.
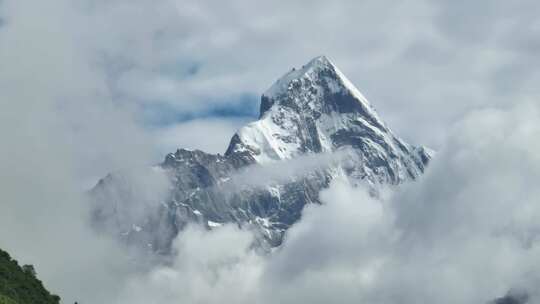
(317, 109)
(317, 76)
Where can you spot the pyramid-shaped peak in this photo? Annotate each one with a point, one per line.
(318, 85)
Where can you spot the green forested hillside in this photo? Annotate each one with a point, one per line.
(6, 300)
(19, 285)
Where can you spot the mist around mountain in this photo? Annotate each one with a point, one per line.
(92, 87)
(343, 207)
(464, 78)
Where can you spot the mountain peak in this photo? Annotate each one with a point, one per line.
(315, 109)
(318, 87)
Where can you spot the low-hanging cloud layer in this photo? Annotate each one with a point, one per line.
(79, 79)
(467, 232)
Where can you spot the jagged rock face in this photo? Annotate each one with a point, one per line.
(314, 110)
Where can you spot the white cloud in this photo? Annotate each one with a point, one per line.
(58, 128)
(211, 135)
(211, 267)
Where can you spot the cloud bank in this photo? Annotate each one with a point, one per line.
(467, 232)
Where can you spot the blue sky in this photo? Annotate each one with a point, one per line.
(163, 114)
